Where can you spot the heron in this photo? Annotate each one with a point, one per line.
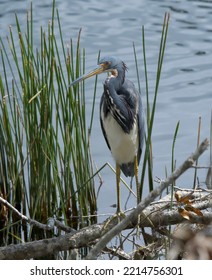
(121, 118)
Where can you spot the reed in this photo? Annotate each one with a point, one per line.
(45, 165)
(151, 104)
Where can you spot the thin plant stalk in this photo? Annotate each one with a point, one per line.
(151, 112)
(44, 142)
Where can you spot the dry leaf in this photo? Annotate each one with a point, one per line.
(184, 213)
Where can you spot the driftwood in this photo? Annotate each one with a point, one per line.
(152, 195)
(148, 214)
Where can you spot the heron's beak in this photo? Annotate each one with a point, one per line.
(96, 71)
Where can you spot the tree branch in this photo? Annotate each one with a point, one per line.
(48, 226)
(90, 235)
(143, 204)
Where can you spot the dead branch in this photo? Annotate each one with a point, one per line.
(89, 235)
(101, 234)
(48, 226)
(141, 206)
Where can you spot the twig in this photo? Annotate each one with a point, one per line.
(25, 218)
(9, 206)
(118, 252)
(50, 223)
(141, 206)
(200, 190)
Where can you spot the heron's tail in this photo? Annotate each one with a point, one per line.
(128, 169)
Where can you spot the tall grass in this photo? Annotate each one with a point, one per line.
(45, 164)
(151, 106)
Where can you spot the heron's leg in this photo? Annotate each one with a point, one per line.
(118, 173)
(119, 215)
(138, 192)
(136, 179)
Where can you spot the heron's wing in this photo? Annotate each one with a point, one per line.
(135, 98)
(102, 127)
(127, 106)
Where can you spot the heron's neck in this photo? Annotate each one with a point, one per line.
(116, 79)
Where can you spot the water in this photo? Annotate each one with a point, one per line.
(185, 88)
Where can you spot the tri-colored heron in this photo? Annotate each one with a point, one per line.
(121, 118)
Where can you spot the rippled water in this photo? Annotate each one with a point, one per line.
(185, 89)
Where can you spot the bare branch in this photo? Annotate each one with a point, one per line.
(149, 217)
(50, 223)
(152, 216)
(141, 206)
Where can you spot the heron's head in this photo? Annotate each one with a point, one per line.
(107, 64)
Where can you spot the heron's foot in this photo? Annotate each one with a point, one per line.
(120, 215)
(114, 220)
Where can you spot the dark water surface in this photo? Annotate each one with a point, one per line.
(185, 91)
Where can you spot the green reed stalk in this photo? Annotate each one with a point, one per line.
(198, 142)
(151, 111)
(172, 170)
(45, 164)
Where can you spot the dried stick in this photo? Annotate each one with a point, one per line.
(49, 226)
(143, 204)
(23, 217)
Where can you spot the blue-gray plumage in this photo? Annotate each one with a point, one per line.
(121, 118)
(121, 101)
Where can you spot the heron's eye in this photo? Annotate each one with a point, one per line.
(107, 63)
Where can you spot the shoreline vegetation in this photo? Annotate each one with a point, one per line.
(48, 197)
